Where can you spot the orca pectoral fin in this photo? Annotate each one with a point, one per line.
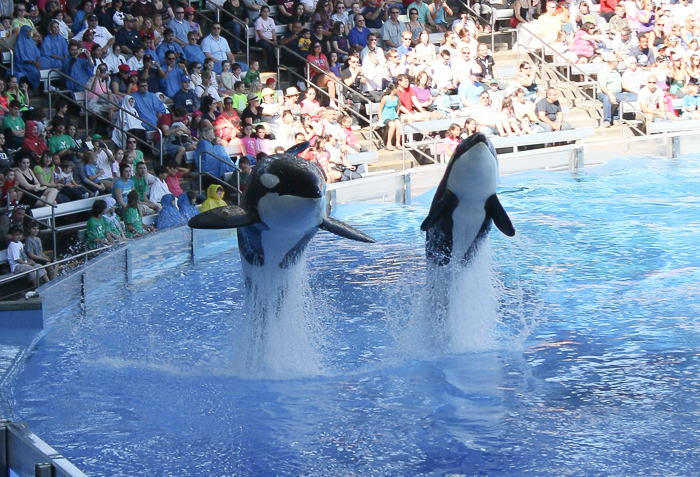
(495, 210)
(344, 230)
(229, 217)
(444, 206)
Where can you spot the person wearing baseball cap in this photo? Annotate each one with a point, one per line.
(128, 36)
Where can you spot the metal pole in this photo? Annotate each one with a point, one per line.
(53, 232)
(87, 115)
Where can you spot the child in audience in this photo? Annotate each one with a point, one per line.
(239, 97)
(70, 187)
(253, 73)
(112, 222)
(168, 216)
(132, 217)
(114, 164)
(160, 186)
(451, 140)
(347, 137)
(442, 104)
(186, 204)
(244, 166)
(304, 41)
(236, 71)
(311, 106)
(262, 144)
(469, 128)
(175, 173)
(279, 150)
(35, 251)
(322, 158)
(18, 260)
(92, 172)
(96, 231)
(215, 198)
(10, 197)
(333, 64)
(248, 141)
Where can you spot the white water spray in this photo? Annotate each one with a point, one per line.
(279, 337)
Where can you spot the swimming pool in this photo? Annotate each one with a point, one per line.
(592, 365)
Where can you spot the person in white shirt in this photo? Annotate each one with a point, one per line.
(443, 73)
(18, 260)
(374, 73)
(372, 46)
(102, 36)
(159, 187)
(135, 63)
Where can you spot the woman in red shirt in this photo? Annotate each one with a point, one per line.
(319, 72)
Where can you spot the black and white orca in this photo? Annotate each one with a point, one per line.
(283, 207)
(465, 204)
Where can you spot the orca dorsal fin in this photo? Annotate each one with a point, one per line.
(298, 148)
(498, 214)
(445, 205)
(344, 230)
(228, 217)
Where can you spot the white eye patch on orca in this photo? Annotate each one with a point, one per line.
(269, 180)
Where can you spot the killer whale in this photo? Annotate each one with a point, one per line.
(282, 208)
(465, 204)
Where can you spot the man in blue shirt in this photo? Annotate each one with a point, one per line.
(147, 104)
(375, 14)
(179, 26)
(168, 44)
(185, 97)
(358, 35)
(216, 47)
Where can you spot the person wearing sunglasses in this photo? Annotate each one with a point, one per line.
(179, 26)
(216, 47)
(393, 29)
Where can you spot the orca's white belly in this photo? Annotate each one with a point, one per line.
(289, 219)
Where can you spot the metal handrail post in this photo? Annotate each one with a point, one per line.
(231, 163)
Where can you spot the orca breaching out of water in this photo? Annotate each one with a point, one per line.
(283, 207)
(465, 204)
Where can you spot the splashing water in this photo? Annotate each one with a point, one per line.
(278, 337)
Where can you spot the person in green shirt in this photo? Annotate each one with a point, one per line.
(140, 180)
(253, 73)
(239, 97)
(132, 217)
(96, 229)
(61, 143)
(14, 123)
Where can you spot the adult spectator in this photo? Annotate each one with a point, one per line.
(148, 106)
(375, 13)
(291, 102)
(152, 73)
(414, 26)
(375, 74)
(123, 185)
(8, 221)
(409, 106)
(218, 165)
(526, 77)
(291, 41)
(550, 113)
(423, 12)
(101, 35)
(358, 35)
(443, 73)
(127, 120)
(634, 78)
(51, 8)
(216, 47)
(54, 48)
(691, 101)
(372, 47)
(79, 67)
(128, 36)
(120, 82)
(206, 88)
(81, 17)
(393, 28)
(585, 15)
(265, 35)
(192, 51)
(148, 49)
(486, 62)
(177, 139)
(319, 71)
(651, 102)
(469, 91)
(644, 55)
(549, 24)
(285, 10)
(623, 43)
(352, 77)
(179, 26)
(463, 65)
(168, 44)
(610, 83)
(185, 97)
(27, 57)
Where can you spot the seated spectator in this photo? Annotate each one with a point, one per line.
(347, 137)
(128, 36)
(634, 78)
(173, 77)
(148, 106)
(443, 74)
(35, 250)
(19, 262)
(488, 119)
(100, 97)
(549, 24)
(238, 98)
(27, 58)
(184, 97)
(253, 73)
(610, 83)
(389, 116)
(252, 114)
(79, 67)
(113, 223)
(177, 135)
(375, 74)
(180, 26)
(159, 188)
(550, 113)
(319, 71)
(372, 47)
(122, 186)
(526, 77)
(414, 26)
(62, 144)
(265, 35)
(71, 188)
(168, 44)
(652, 103)
(691, 101)
(152, 73)
(132, 217)
(216, 47)
(192, 51)
(168, 216)
(114, 59)
(120, 83)
(54, 48)
(45, 172)
(617, 22)
(96, 229)
(142, 180)
(33, 145)
(469, 92)
(286, 132)
(644, 55)
(215, 198)
(357, 37)
(623, 43)
(227, 124)
(101, 35)
(675, 78)
(186, 204)
(209, 143)
(135, 63)
(127, 120)
(207, 90)
(92, 174)
(13, 126)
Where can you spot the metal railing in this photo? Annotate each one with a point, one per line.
(231, 163)
(72, 258)
(623, 122)
(53, 210)
(477, 16)
(413, 146)
(340, 88)
(159, 149)
(570, 69)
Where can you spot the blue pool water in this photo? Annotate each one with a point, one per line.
(591, 367)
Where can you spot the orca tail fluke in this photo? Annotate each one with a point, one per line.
(498, 214)
(229, 217)
(344, 230)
